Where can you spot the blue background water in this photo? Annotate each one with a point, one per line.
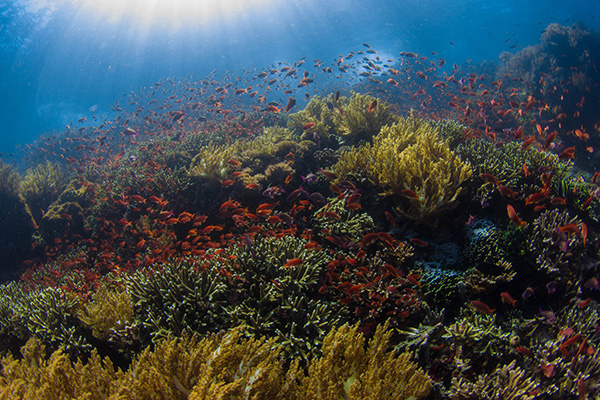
(63, 60)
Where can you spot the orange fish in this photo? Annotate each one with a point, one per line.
(372, 106)
(291, 103)
(409, 193)
(507, 298)
(512, 214)
(482, 307)
(308, 125)
(568, 153)
(489, 178)
(293, 262)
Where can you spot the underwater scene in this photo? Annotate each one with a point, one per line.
(267, 200)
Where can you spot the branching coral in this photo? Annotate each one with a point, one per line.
(180, 297)
(412, 162)
(109, 310)
(506, 164)
(278, 298)
(351, 225)
(41, 186)
(348, 370)
(362, 118)
(477, 341)
(554, 249)
(508, 382)
(222, 366)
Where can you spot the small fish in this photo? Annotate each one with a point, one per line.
(372, 106)
(482, 307)
(567, 153)
(409, 193)
(308, 125)
(507, 298)
(291, 103)
(512, 214)
(293, 262)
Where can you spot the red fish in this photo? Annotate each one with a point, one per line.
(372, 106)
(409, 193)
(293, 262)
(482, 307)
(568, 153)
(507, 298)
(308, 126)
(291, 103)
(512, 214)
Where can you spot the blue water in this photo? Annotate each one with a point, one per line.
(64, 60)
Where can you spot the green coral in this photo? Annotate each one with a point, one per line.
(41, 186)
(554, 250)
(507, 382)
(178, 297)
(477, 342)
(506, 164)
(279, 299)
(351, 224)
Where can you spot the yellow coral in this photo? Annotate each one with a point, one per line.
(360, 120)
(348, 371)
(223, 366)
(35, 377)
(109, 309)
(211, 162)
(409, 156)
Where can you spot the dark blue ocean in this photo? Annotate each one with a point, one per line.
(62, 60)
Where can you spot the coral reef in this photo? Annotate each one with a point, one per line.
(219, 367)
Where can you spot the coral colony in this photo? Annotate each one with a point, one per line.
(429, 232)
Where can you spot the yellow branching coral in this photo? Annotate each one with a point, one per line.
(41, 186)
(362, 118)
(319, 111)
(108, 309)
(56, 378)
(223, 366)
(211, 162)
(349, 371)
(411, 161)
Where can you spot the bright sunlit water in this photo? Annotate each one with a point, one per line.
(63, 60)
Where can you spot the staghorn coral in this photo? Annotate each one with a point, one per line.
(506, 164)
(181, 296)
(477, 342)
(351, 225)
(51, 315)
(554, 250)
(508, 382)
(279, 299)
